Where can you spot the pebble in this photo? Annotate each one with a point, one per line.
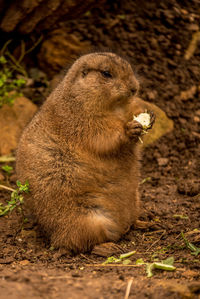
(162, 161)
(196, 119)
(1, 177)
(193, 27)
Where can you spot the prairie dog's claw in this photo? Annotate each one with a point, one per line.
(133, 129)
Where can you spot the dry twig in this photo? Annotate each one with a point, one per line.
(128, 288)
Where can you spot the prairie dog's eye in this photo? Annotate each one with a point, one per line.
(106, 74)
(134, 90)
(84, 73)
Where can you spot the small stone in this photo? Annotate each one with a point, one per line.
(152, 94)
(178, 46)
(184, 11)
(178, 53)
(193, 27)
(13, 178)
(36, 74)
(162, 161)
(24, 262)
(183, 121)
(1, 177)
(197, 112)
(188, 94)
(29, 82)
(190, 273)
(196, 119)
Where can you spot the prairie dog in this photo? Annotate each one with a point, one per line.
(80, 155)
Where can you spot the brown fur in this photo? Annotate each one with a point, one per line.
(80, 155)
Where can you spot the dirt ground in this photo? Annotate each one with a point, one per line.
(155, 36)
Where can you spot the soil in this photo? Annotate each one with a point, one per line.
(155, 36)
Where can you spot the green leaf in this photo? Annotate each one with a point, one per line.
(111, 260)
(169, 261)
(126, 262)
(23, 188)
(140, 262)
(195, 250)
(3, 60)
(180, 216)
(149, 270)
(145, 180)
(128, 254)
(166, 265)
(7, 169)
(122, 17)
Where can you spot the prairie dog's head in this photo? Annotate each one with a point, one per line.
(101, 81)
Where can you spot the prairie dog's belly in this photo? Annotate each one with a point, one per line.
(109, 179)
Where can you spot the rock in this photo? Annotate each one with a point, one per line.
(59, 50)
(193, 27)
(37, 15)
(1, 177)
(107, 249)
(162, 125)
(13, 119)
(196, 119)
(152, 95)
(162, 161)
(188, 94)
(24, 262)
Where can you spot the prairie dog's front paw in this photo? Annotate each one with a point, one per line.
(146, 119)
(133, 129)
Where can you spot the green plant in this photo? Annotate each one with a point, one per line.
(122, 258)
(11, 70)
(16, 199)
(8, 169)
(166, 265)
(9, 85)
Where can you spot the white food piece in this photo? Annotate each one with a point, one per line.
(144, 119)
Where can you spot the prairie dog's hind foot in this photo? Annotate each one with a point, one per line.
(82, 234)
(107, 249)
